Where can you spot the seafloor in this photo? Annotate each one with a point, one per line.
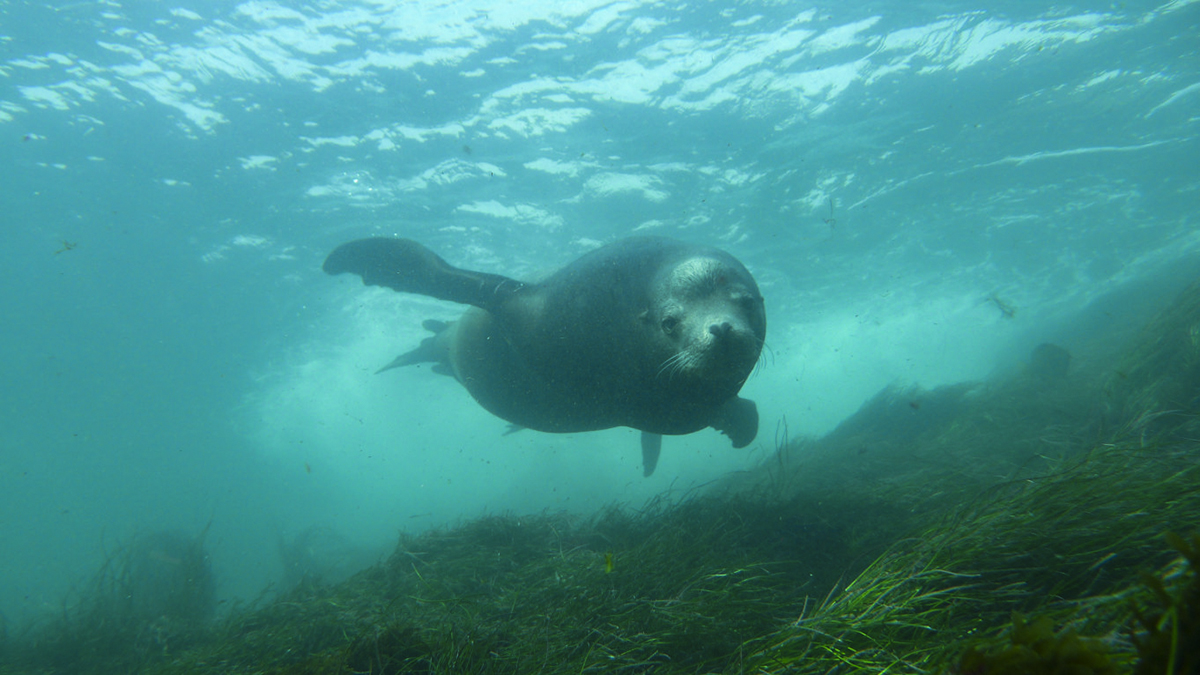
(1042, 522)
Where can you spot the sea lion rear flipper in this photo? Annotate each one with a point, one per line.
(737, 418)
(404, 265)
(428, 351)
(651, 447)
(434, 349)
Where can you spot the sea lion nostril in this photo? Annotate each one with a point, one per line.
(720, 329)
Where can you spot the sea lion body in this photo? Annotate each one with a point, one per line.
(649, 333)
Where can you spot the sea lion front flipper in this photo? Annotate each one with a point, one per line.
(737, 418)
(404, 265)
(651, 447)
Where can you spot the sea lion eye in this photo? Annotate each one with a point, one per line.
(747, 300)
(669, 324)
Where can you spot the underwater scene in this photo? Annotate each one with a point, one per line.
(599, 336)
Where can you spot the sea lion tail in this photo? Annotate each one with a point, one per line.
(737, 418)
(406, 266)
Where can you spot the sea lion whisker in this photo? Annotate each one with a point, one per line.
(671, 365)
(663, 366)
(761, 363)
(681, 364)
(689, 360)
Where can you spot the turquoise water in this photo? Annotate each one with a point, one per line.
(894, 174)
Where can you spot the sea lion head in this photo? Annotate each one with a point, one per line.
(707, 317)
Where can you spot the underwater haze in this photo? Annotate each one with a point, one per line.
(924, 192)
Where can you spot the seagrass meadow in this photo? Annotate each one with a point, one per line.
(1042, 522)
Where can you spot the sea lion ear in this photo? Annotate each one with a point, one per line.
(737, 418)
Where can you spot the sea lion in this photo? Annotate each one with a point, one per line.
(647, 332)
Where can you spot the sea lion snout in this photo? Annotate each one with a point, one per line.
(720, 330)
(727, 344)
